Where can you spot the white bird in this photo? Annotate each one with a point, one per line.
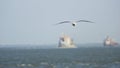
(74, 22)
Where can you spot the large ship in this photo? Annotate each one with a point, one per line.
(109, 42)
(66, 42)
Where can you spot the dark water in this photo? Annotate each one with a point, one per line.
(91, 57)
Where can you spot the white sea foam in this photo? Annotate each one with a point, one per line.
(44, 63)
(24, 65)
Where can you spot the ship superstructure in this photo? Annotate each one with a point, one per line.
(66, 42)
(109, 42)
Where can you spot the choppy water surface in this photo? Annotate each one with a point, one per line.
(93, 57)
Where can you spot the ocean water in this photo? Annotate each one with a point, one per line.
(83, 57)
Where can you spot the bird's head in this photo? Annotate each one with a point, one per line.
(74, 24)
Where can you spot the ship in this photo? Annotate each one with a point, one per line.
(109, 42)
(66, 42)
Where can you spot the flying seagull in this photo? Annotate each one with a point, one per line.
(74, 22)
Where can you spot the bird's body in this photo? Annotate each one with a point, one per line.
(74, 22)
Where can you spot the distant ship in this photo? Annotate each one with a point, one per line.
(109, 42)
(66, 42)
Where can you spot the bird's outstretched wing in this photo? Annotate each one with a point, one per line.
(85, 21)
(63, 22)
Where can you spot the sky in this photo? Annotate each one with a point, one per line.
(31, 21)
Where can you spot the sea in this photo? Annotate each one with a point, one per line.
(81, 57)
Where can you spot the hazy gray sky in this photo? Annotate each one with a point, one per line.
(31, 21)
